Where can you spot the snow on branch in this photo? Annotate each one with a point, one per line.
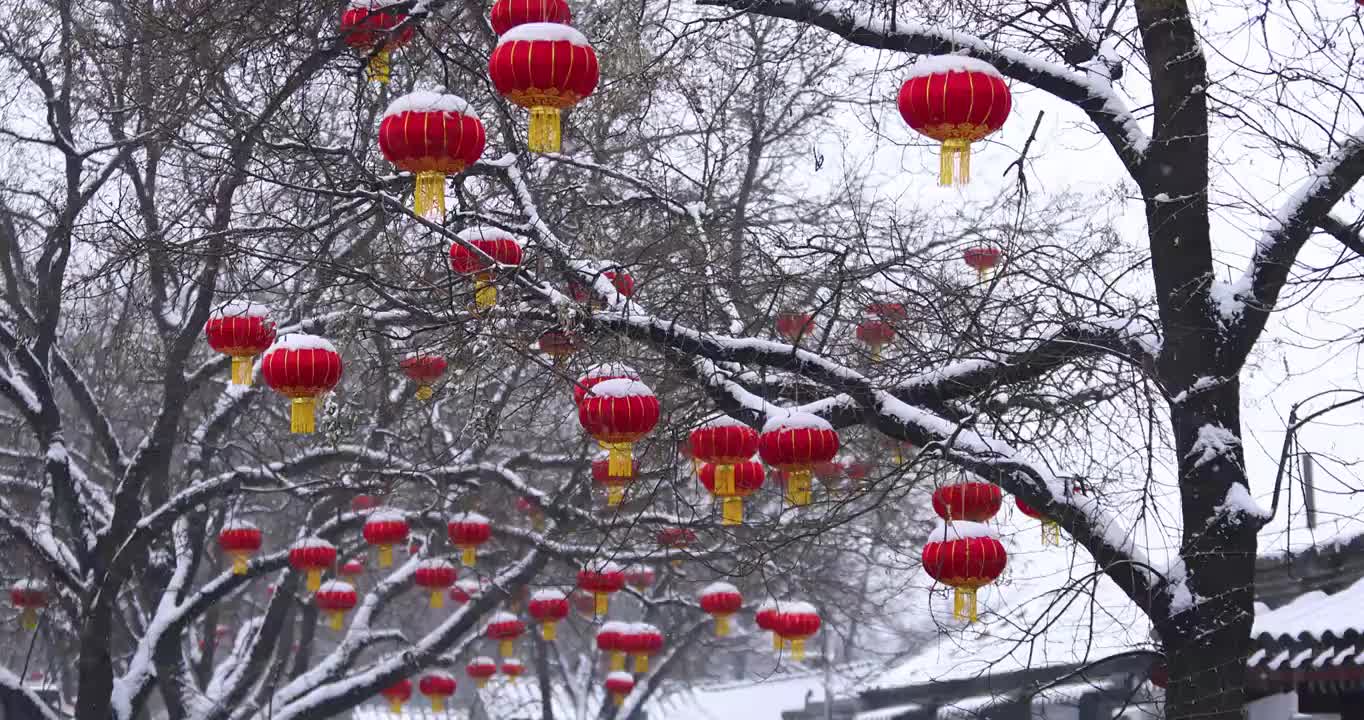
(1091, 93)
(16, 696)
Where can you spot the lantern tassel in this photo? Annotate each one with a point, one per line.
(724, 480)
(385, 556)
(238, 563)
(395, 706)
(1051, 533)
(428, 197)
(876, 352)
(798, 487)
(314, 580)
(335, 620)
(28, 618)
(485, 292)
(695, 466)
(537, 521)
(641, 663)
(241, 369)
(481, 682)
(437, 704)
(303, 415)
(507, 648)
(732, 511)
(617, 661)
(619, 698)
(437, 599)
(798, 649)
(964, 604)
(549, 631)
(776, 643)
(378, 69)
(424, 392)
(620, 462)
(544, 134)
(468, 555)
(961, 150)
(614, 495)
(721, 626)
(603, 603)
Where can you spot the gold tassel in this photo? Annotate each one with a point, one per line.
(620, 461)
(437, 599)
(798, 649)
(961, 150)
(695, 466)
(549, 631)
(617, 661)
(641, 664)
(724, 480)
(395, 706)
(798, 487)
(239, 563)
(437, 704)
(603, 604)
(485, 292)
(335, 619)
(1051, 532)
(776, 642)
(241, 369)
(481, 682)
(468, 555)
(507, 648)
(378, 69)
(385, 556)
(429, 196)
(303, 415)
(732, 511)
(721, 625)
(537, 521)
(614, 494)
(619, 698)
(876, 352)
(544, 130)
(964, 604)
(28, 618)
(424, 392)
(314, 580)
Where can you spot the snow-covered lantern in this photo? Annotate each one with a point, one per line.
(768, 617)
(481, 253)
(240, 540)
(619, 413)
(547, 68)
(435, 576)
(512, 669)
(620, 684)
(384, 529)
(397, 694)
(437, 687)
(797, 622)
(548, 607)
(795, 442)
(599, 374)
(240, 330)
(955, 100)
(302, 368)
(640, 577)
(312, 556)
(877, 328)
(602, 578)
(747, 478)
(431, 135)
(481, 669)
(642, 642)
(464, 590)
(467, 531)
(29, 596)
(724, 442)
(612, 643)
(336, 598)
(505, 628)
(721, 601)
(965, 556)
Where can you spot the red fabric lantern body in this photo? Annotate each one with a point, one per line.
(352, 571)
(795, 623)
(971, 501)
(642, 642)
(502, 247)
(467, 531)
(361, 503)
(312, 556)
(878, 330)
(639, 577)
(513, 669)
(746, 478)
(612, 643)
(548, 607)
(559, 345)
(615, 486)
(795, 443)
(767, 617)
(602, 579)
(431, 135)
(965, 556)
(301, 368)
(620, 684)
(1051, 532)
(672, 539)
(480, 669)
(505, 628)
(335, 598)
(397, 694)
(240, 540)
(29, 596)
(721, 600)
(793, 326)
(599, 374)
(425, 371)
(724, 442)
(368, 25)
(464, 590)
(507, 14)
(384, 529)
(982, 258)
(956, 101)
(618, 413)
(621, 280)
(241, 331)
(547, 68)
(437, 687)
(435, 575)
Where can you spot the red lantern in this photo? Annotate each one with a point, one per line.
(585, 603)
(619, 684)
(384, 529)
(369, 27)
(878, 329)
(467, 531)
(982, 258)
(241, 331)
(955, 100)
(795, 443)
(639, 577)
(464, 590)
(431, 135)
(513, 669)
(1160, 673)
(796, 623)
(481, 669)
(508, 14)
(548, 68)
(559, 345)
(312, 556)
(467, 258)
(615, 486)
(675, 538)
(28, 596)
(829, 474)
(767, 617)
(435, 575)
(619, 413)
(793, 326)
(857, 472)
(530, 507)
(721, 600)
(621, 280)
(361, 503)
(601, 578)
(425, 371)
(352, 570)
(601, 373)
(548, 607)
(334, 598)
(965, 556)
(505, 628)
(240, 540)
(747, 479)
(397, 694)
(971, 501)
(642, 641)
(301, 368)
(1051, 532)
(437, 687)
(611, 642)
(724, 442)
